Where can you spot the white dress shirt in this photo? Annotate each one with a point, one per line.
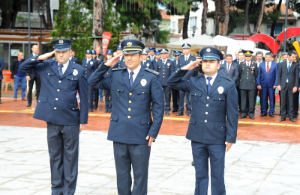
(186, 57)
(212, 79)
(136, 72)
(65, 66)
(269, 65)
(87, 60)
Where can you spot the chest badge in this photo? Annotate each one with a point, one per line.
(143, 82)
(91, 63)
(75, 72)
(147, 64)
(220, 90)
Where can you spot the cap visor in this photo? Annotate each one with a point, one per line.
(209, 58)
(62, 49)
(186, 47)
(130, 52)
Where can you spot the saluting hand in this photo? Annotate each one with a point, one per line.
(45, 56)
(113, 61)
(192, 65)
(228, 146)
(151, 139)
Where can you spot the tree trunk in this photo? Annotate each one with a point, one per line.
(16, 5)
(185, 24)
(98, 23)
(48, 13)
(246, 17)
(261, 15)
(6, 14)
(225, 16)
(204, 17)
(272, 34)
(217, 16)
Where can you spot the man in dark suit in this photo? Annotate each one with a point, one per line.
(163, 67)
(266, 83)
(259, 59)
(1, 75)
(32, 78)
(231, 68)
(57, 105)
(131, 128)
(287, 83)
(175, 93)
(145, 63)
(184, 60)
(248, 72)
(214, 120)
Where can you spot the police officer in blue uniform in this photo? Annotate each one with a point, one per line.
(146, 63)
(157, 58)
(132, 129)
(90, 65)
(151, 54)
(175, 93)
(57, 105)
(164, 68)
(73, 58)
(214, 120)
(184, 60)
(120, 63)
(107, 93)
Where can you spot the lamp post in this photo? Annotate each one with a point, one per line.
(155, 22)
(194, 30)
(285, 24)
(41, 13)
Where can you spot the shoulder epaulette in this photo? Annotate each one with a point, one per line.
(119, 68)
(152, 71)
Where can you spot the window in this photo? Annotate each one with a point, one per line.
(193, 22)
(278, 28)
(55, 13)
(240, 29)
(24, 6)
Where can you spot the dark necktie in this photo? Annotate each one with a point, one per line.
(131, 78)
(227, 68)
(208, 85)
(60, 72)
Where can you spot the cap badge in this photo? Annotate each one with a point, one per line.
(208, 50)
(61, 41)
(129, 43)
(143, 82)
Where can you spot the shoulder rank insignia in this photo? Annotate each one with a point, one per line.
(152, 71)
(119, 68)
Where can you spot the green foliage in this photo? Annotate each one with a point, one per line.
(235, 18)
(162, 36)
(74, 21)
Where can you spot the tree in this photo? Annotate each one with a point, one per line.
(46, 4)
(261, 14)
(274, 16)
(74, 21)
(9, 12)
(247, 17)
(204, 17)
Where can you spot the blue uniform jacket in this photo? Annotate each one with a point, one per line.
(120, 63)
(214, 118)
(164, 70)
(74, 59)
(147, 64)
(267, 79)
(57, 101)
(90, 67)
(131, 118)
(1, 68)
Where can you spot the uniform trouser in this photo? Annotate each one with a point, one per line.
(91, 90)
(38, 87)
(101, 93)
(137, 156)
(96, 92)
(187, 101)
(247, 95)
(239, 96)
(175, 97)
(296, 103)
(0, 88)
(18, 80)
(287, 95)
(216, 154)
(265, 93)
(107, 94)
(63, 143)
(167, 93)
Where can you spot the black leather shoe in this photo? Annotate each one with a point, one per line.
(91, 110)
(295, 116)
(291, 119)
(189, 113)
(106, 110)
(283, 118)
(109, 111)
(251, 117)
(193, 163)
(167, 112)
(174, 110)
(28, 105)
(262, 115)
(0, 102)
(243, 116)
(101, 100)
(179, 113)
(271, 115)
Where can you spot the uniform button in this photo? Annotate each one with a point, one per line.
(129, 109)
(207, 105)
(130, 93)
(128, 116)
(219, 98)
(206, 113)
(56, 99)
(163, 76)
(39, 100)
(205, 121)
(73, 108)
(129, 101)
(54, 108)
(143, 92)
(59, 81)
(58, 90)
(48, 73)
(207, 97)
(118, 90)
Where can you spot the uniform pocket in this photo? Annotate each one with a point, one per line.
(143, 95)
(196, 98)
(114, 117)
(118, 90)
(146, 121)
(192, 121)
(42, 99)
(72, 82)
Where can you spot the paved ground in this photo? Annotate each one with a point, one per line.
(252, 167)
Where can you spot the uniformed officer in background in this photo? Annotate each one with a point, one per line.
(175, 93)
(214, 121)
(157, 58)
(248, 72)
(94, 55)
(120, 63)
(57, 105)
(163, 67)
(107, 93)
(145, 63)
(132, 129)
(90, 65)
(151, 54)
(184, 60)
(73, 58)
